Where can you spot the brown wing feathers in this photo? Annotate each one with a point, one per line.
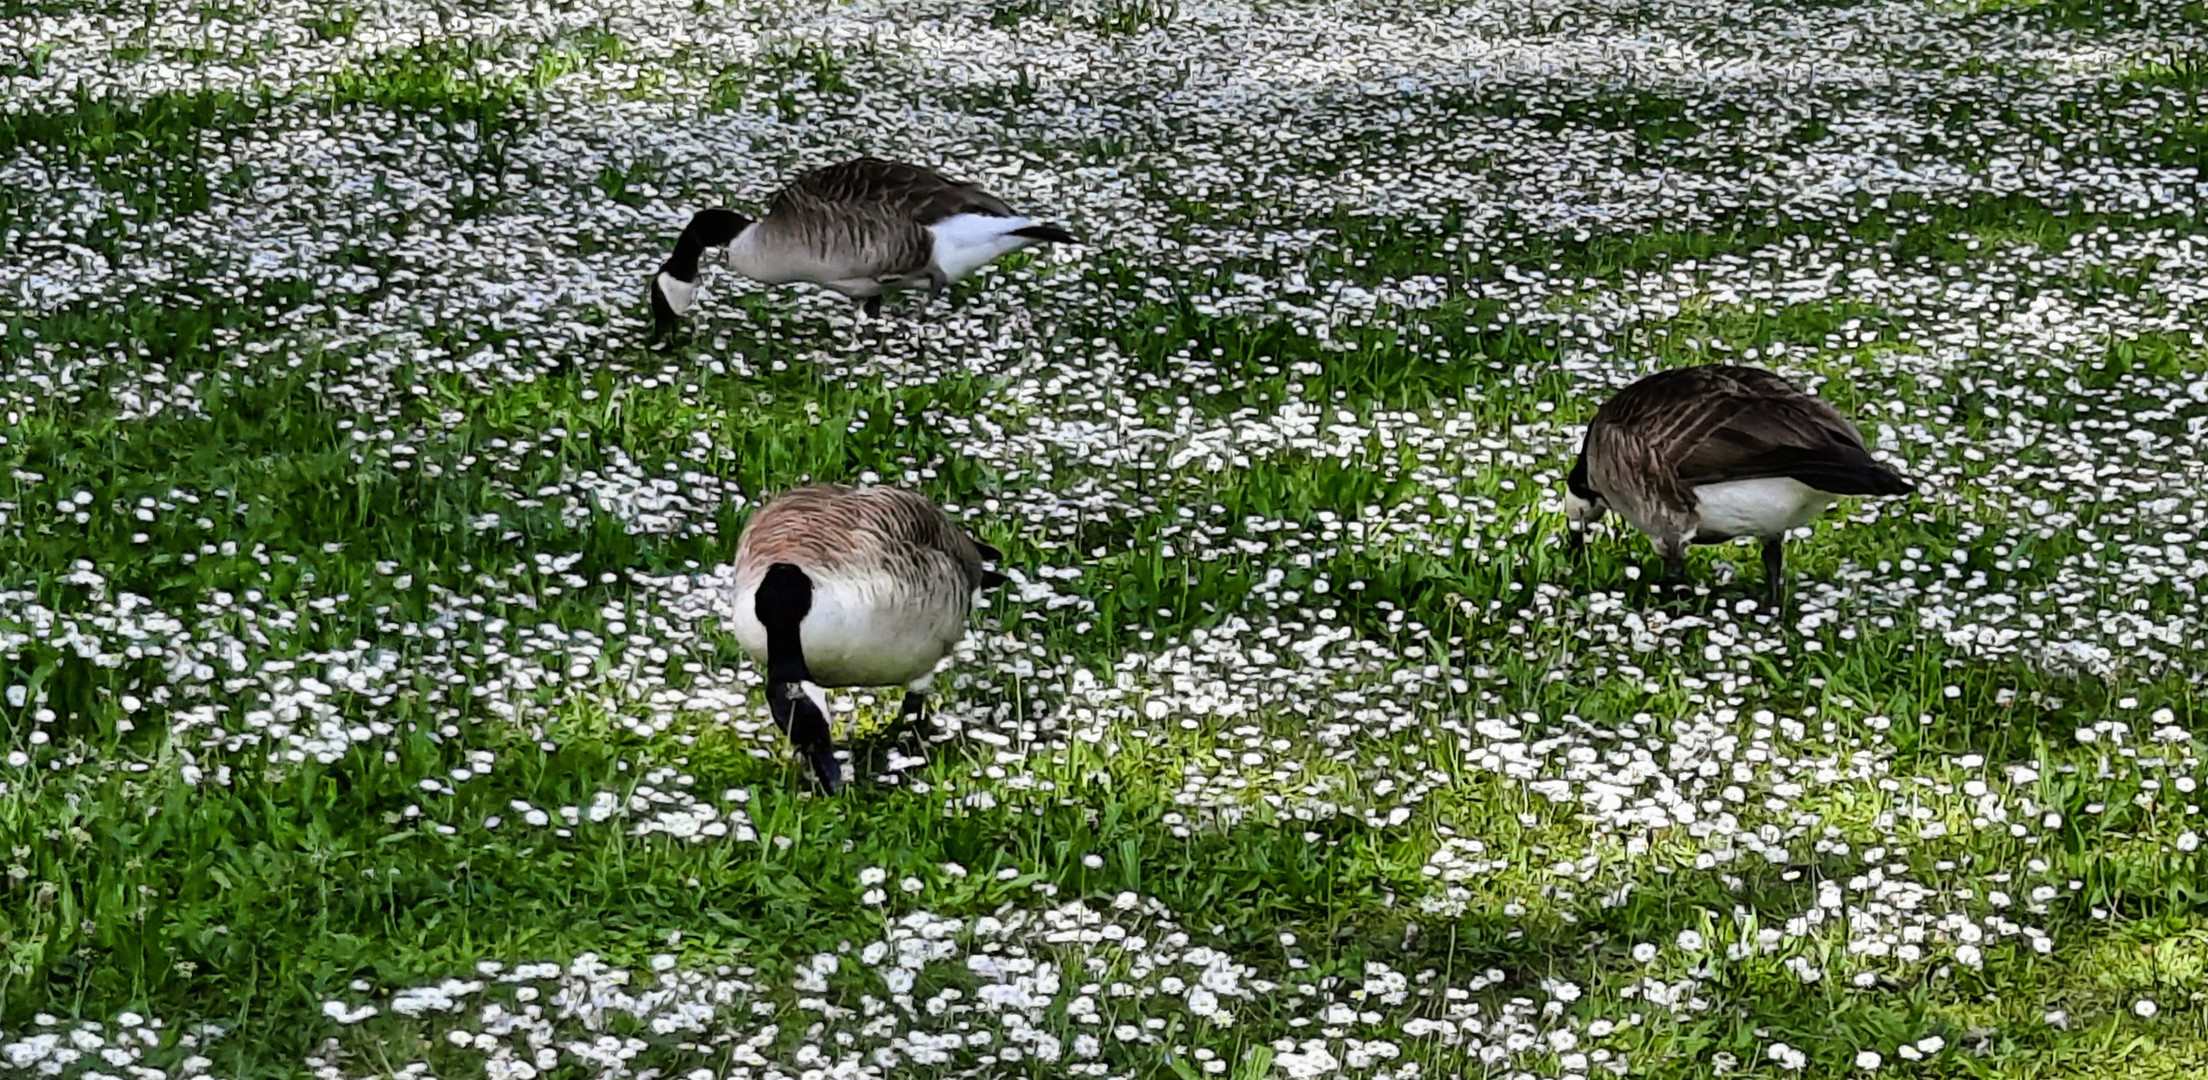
(831, 526)
(870, 218)
(1706, 425)
(921, 196)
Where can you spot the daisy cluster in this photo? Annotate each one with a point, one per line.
(967, 997)
(331, 449)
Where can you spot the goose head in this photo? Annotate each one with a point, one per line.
(671, 296)
(674, 289)
(1583, 505)
(801, 707)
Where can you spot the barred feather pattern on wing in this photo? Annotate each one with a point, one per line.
(834, 529)
(1649, 447)
(868, 218)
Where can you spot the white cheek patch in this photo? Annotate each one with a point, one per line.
(1578, 511)
(680, 294)
(819, 698)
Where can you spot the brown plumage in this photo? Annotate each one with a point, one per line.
(893, 191)
(861, 228)
(852, 586)
(1702, 455)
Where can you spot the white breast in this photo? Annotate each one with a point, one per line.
(1763, 508)
(861, 632)
(965, 243)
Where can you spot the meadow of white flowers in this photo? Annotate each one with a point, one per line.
(369, 708)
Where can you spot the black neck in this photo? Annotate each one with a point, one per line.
(683, 264)
(1576, 481)
(784, 598)
(707, 229)
(786, 656)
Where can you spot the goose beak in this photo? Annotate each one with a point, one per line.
(826, 767)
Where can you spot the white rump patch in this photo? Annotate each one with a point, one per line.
(1765, 508)
(967, 242)
(680, 294)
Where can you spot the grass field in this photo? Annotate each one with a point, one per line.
(368, 709)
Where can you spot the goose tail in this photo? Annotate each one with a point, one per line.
(1049, 233)
(1865, 477)
(1889, 482)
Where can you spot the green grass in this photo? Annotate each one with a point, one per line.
(360, 571)
(778, 77)
(2095, 15)
(152, 150)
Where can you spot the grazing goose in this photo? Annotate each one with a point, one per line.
(851, 586)
(1702, 455)
(862, 228)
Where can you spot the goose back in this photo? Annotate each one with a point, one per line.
(889, 189)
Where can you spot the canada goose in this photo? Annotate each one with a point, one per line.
(862, 228)
(1702, 455)
(851, 586)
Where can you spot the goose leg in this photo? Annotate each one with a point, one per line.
(1774, 571)
(913, 712)
(872, 305)
(1671, 584)
(912, 720)
(1578, 563)
(902, 735)
(1674, 551)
